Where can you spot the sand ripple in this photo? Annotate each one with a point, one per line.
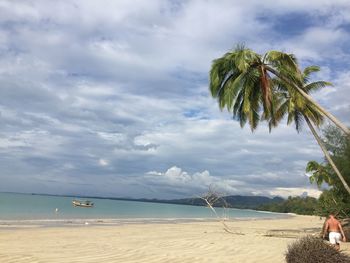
(155, 243)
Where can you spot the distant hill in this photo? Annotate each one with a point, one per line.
(233, 201)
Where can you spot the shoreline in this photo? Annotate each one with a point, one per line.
(36, 223)
(26, 223)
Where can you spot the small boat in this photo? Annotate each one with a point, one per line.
(82, 203)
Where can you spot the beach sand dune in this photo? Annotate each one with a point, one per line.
(258, 241)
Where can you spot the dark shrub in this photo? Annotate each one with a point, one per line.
(315, 250)
(346, 227)
(347, 232)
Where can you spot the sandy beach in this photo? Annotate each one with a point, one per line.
(253, 241)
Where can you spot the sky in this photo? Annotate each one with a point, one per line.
(110, 98)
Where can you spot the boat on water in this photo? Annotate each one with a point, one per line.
(82, 203)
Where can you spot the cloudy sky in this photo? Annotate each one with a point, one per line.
(111, 98)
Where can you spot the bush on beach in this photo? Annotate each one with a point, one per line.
(313, 249)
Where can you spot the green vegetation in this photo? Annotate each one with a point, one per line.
(232, 201)
(297, 205)
(335, 199)
(294, 106)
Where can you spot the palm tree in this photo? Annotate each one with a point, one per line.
(241, 82)
(297, 110)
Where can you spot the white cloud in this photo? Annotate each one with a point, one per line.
(37, 142)
(124, 91)
(190, 184)
(294, 191)
(318, 44)
(116, 138)
(103, 162)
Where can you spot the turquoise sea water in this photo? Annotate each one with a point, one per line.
(40, 207)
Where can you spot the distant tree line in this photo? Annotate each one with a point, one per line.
(298, 205)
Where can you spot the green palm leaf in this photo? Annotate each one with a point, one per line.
(314, 86)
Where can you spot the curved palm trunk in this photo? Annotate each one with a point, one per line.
(328, 157)
(310, 99)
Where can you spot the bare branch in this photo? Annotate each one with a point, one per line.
(211, 198)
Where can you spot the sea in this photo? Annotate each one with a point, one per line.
(18, 208)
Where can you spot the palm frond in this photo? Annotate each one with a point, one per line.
(242, 117)
(238, 103)
(227, 93)
(255, 108)
(298, 120)
(281, 112)
(317, 85)
(308, 71)
(280, 59)
(314, 115)
(245, 57)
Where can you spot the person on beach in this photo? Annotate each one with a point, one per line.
(335, 230)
